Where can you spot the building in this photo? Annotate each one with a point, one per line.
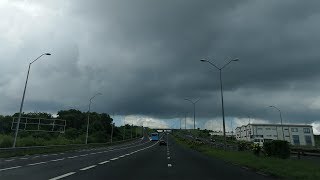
(293, 133)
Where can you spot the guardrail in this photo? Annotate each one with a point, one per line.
(65, 145)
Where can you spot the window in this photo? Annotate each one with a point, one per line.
(294, 129)
(306, 130)
(275, 136)
(308, 140)
(267, 128)
(269, 135)
(259, 128)
(296, 140)
(286, 129)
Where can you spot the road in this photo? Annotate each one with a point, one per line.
(142, 159)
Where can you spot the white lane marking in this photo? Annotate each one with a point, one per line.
(92, 153)
(169, 165)
(23, 158)
(89, 167)
(61, 153)
(168, 157)
(104, 162)
(113, 159)
(122, 156)
(15, 167)
(35, 157)
(62, 176)
(58, 159)
(128, 154)
(37, 163)
(45, 155)
(9, 160)
(71, 157)
(54, 154)
(84, 155)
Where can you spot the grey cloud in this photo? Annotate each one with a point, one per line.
(143, 56)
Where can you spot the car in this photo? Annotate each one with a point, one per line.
(162, 142)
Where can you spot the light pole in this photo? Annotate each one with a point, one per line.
(22, 101)
(280, 120)
(112, 124)
(220, 71)
(194, 111)
(88, 121)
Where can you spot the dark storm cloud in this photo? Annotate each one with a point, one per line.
(143, 56)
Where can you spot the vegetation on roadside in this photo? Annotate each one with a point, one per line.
(285, 168)
(76, 122)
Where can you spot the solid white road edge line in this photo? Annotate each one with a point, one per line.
(104, 162)
(15, 167)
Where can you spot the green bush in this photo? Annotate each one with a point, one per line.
(277, 148)
(72, 133)
(6, 141)
(244, 145)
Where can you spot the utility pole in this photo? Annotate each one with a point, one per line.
(112, 124)
(131, 130)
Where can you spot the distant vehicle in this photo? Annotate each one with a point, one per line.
(162, 142)
(154, 136)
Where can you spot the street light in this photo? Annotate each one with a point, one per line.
(194, 111)
(22, 101)
(89, 115)
(220, 70)
(280, 120)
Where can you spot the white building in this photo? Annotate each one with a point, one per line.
(295, 134)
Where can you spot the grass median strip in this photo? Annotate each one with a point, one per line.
(285, 168)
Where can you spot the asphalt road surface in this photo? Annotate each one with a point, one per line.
(143, 159)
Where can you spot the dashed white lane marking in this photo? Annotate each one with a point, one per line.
(54, 154)
(35, 157)
(45, 155)
(9, 160)
(33, 164)
(23, 158)
(15, 167)
(71, 157)
(92, 153)
(168, 157)
(104, 162)
(89, 167)
(113, 159)
(169, 165)
(62, 176)
(58, 159)
(84, 155)
(128, 154)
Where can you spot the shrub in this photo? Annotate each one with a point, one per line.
(277, 148)
(256, 149)
(243, 145)
(6, 141)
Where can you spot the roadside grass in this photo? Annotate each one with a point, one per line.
(284, 168)
(54, 149)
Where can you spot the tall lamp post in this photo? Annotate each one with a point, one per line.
(22, 101)
(280, 120)
(220, 71)
(194, 110)
(88, 121)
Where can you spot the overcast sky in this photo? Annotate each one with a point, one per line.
(143, 56)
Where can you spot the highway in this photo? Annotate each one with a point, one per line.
(142, 159)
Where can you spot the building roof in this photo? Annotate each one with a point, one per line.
(292, 125)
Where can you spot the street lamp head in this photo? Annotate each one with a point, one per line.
(203, 60)
(237, 59)
(48, 54)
